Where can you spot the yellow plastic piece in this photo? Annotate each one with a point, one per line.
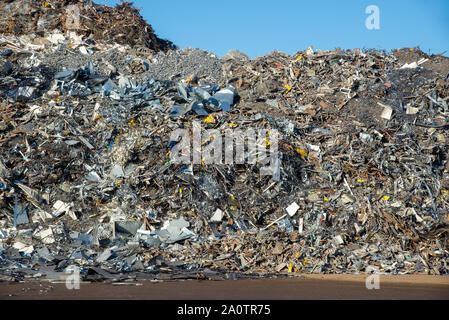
(267, 142)
(302, 153)
(209, 119)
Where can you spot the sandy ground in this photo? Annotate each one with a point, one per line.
(410, 279)
(346, 287)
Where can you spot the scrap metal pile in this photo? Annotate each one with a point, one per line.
(122, 24)
(87, 178)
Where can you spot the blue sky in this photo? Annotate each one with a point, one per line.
(259, 27)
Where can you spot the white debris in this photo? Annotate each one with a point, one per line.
(338, 239)
(84, 50)
(117, 172)
(397, 204)
(27, 250)
(411, 65)
(93, 176)
(47, 236)
(301, 225)
(313, 147)
(56, 38)
(346, 199)
(365, 137)
(44, 215)
(60, 208)
(358, 228)
(22, 247)
(75, 38)
(412, 110)
(291, 209)
(414, 64)
(19, 245)
(218, 216)
(387, 111)
(309, 51)
(418, 218)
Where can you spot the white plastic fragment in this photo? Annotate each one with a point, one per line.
(47, 236)
(386, 112)
(411, 65)
(22, 247)
(218, 216)
(412, 110)
(145, 232)
(313, 147)
(292, 208)
(27, 250)
(301, 225)
(84, 50)
(56, 38)
(414, 64)
(396, 204)
(338, 239)
(19, 245)
(60, 208)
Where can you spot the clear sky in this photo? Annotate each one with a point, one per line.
(257, 27)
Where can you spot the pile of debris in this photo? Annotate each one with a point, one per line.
(122, 24)
(360, 179)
